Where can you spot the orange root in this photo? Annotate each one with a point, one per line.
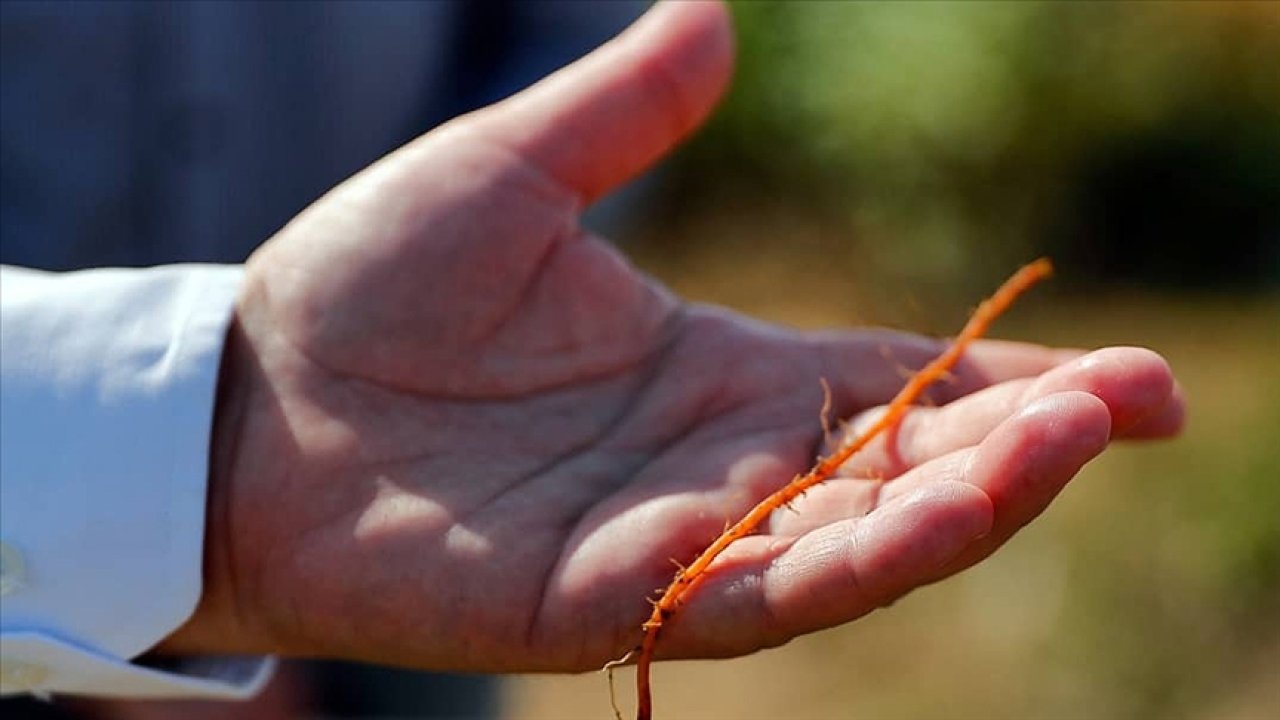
(689, 577)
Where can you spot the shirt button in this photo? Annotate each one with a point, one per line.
(13, 569)
(17, 676)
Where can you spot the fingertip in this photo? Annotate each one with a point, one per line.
(689, 49)
(1134, 382)
(1166, 422)
(909, 539)
(1029, 457)
(1072, 419)
(1145, 380)
(612, 114)
(710, 20)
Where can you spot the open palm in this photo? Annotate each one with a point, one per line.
(458, 432)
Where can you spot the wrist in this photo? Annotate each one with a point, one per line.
(216, 624)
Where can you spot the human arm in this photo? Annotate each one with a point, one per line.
(462, 433)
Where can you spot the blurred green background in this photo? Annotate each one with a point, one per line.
(889, 163)
(935, 141)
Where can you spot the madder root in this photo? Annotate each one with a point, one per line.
(690, 577)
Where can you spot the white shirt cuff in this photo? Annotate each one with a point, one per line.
(106, 407)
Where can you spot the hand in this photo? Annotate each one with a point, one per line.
(455, 431)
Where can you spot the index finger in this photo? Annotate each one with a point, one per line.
(868, 368)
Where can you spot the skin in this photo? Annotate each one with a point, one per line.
(456, 431)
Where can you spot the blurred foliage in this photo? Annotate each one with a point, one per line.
(945, 142)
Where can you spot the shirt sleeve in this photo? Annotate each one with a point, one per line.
(107, 387)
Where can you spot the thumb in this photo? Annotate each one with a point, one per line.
(602, 120)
